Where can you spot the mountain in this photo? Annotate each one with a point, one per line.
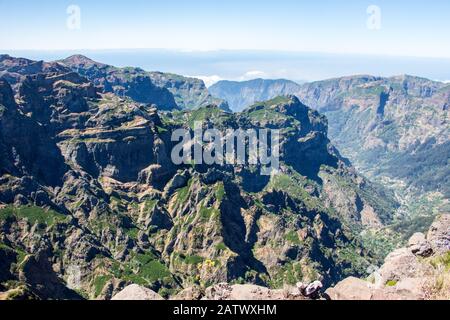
(168, 91)
(240, 95)
(90, 201)
(395, 130)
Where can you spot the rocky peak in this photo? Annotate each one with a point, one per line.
(80, 61)
(88, 180)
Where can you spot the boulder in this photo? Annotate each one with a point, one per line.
(225, 291)
(439, 234)
(136, 292)
(419, 245)
(402, 263)
(351, 289)
(189, 294)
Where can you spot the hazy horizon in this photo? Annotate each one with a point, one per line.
(242, 65)
(238, 40)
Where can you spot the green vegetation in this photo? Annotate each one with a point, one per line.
(193, 259)
(207, 213)
(443, 261)
(368, 91)
(100, 282)
(33, 215)
(221, 246)
(265, 114)
(183, 193)
(21, 255)
(205, 113)
(149, 205)
(90, 140)
(427, 168)
(293, 238)
(350, 257)
(275, 101)
(142, 269)
(407, 227)
(161, 130)
(294, 184)
(391, 283)
(380, 243)
(220, 191)
(290, 274)
(132, 232)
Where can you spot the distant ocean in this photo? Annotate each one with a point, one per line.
(244, 65)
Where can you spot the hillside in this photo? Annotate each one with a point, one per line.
(90, 201)
(394, 130)
(172, 91)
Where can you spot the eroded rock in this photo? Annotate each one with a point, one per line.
(136, 292)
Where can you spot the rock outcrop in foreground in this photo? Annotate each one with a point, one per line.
(135, 292)
(418, 272)
(221, 291)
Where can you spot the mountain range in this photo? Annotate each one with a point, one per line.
(394, 130)
(90, 201)
(243, 94)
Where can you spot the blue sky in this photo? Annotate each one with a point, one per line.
(408, 28)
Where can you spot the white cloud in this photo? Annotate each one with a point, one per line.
(254, 74)
(209, 80)
(443, 81)
(249, 75)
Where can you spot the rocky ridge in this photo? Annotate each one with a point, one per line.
(90, 201)
(168, 91)
(394, 130)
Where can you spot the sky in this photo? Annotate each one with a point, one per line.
(407, 27)
(376, 28)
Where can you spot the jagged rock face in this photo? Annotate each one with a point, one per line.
(88, 188)
(15, 69)
(390, 128)
(26, 147)
(439, 234)
(57, 101)
(167, 91)
(189, 93)
(282, 230)
(395, 130)
(129, 82)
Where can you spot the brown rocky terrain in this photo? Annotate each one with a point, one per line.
(420, 271)
(91, 203)
(394, 130)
